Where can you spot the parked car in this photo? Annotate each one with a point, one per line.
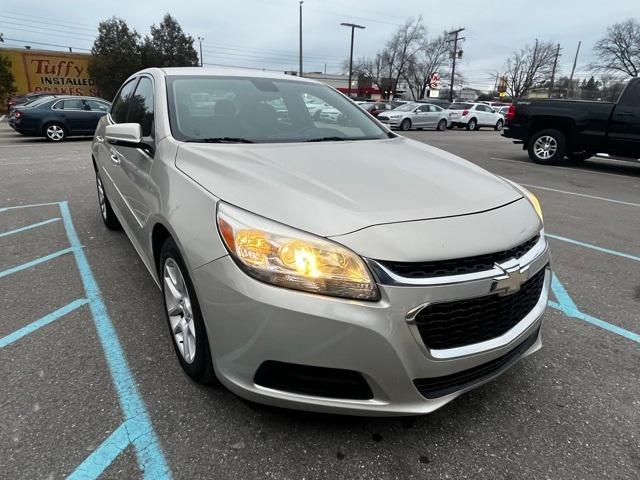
(59, 117)
(502, 110)
(473, 116)
(377, 108)
(552, 129)
(416, 115)
(436, 101)
(19, 100)
(341, 269)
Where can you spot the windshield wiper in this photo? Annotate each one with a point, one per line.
(220, 140)
(326, 139)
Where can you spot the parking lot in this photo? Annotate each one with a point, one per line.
(91, 386)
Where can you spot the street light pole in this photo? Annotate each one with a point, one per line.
(353, 26)
(200, 39)
(300, 35)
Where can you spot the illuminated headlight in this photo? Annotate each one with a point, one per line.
(286, 257)
(533, 200)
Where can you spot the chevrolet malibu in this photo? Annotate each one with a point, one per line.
(334, 267)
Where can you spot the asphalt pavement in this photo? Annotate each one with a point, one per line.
(91, 386)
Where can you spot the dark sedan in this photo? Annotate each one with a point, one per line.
(19, 100)
(57, 118)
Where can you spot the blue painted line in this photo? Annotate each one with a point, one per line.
(567, 306)
(101, 457)
(41, 322)
(594, 247)
(35, 262)
(151, 460)
(29, 227)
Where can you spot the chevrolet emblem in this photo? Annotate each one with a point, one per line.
(511, 281)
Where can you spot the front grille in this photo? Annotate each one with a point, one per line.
(458, 266)
(439, 386)
(464, 322)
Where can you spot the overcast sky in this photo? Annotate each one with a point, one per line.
(264, 33)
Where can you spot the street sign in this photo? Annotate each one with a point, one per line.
(434, 80)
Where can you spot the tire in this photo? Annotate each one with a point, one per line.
(579, 156)
(547, 147)
(106, 212)
(179, 296)
(442, 125)
(499, 125)
(472, 124)
(55, 132)
(405, 125)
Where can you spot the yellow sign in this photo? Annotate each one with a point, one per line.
(46, 71)
(503, 94)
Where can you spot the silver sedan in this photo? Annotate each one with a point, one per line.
(335, 267)
(416, 115)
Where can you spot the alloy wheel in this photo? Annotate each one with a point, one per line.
(545, 147)
(102, 199)
(179, 310)
(55, 133)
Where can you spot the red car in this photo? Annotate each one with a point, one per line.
(377, 108)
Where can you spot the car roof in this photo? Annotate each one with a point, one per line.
(229, 72)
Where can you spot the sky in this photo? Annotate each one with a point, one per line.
(264, 33)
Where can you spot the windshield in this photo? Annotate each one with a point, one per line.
(460, 106)
(407, 107)
(262, 110)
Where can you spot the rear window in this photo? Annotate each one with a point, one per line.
(460, 106)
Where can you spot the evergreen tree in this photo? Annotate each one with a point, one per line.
(169, 46)
(7, 82)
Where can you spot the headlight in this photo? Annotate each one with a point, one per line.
(533, 200)
(283, 256)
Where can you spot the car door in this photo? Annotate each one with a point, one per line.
(132, 164)
(71, 113)
(97, 110)
(482, 114)
(422, 116)
(624, 127)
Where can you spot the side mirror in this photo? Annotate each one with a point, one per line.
(124, 133)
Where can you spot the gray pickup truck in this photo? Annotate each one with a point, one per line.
(552, 130)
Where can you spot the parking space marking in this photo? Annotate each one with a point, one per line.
(583, 195)
(103, 456)
(566, 305)
(31, 205)
(139, 428)
(1, 118)
(41, 322)
(29, 227)
(35, 262)
(594, 247)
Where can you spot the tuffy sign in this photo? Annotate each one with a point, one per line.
(56, 72)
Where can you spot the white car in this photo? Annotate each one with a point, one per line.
(415, 115)
(474, 115)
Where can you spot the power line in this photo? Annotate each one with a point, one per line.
(41, 22)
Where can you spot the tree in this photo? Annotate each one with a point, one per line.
(619, 50)
(169, 46)
(529, 67)
(432, 56)
(116, 54)
(7, 81)
(402, 48)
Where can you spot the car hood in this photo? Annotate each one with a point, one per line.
(334, 188)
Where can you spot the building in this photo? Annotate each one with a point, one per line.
(361, 86)
(49, 71)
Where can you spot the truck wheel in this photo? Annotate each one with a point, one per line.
(547, 147)
(472, 124)
(405, 125)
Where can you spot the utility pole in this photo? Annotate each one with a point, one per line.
(300, 38)
(553, 72)
(575, 61)
(353, 26)
(200, 39)
(455, 40)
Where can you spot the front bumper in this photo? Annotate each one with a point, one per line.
(390, 122)
(250, 322)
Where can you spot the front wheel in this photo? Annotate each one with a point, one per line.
(55, 132)
(405, 125)
(472, 124)
(499, 125)
(186, 324)
(442, 125)
(547, 147)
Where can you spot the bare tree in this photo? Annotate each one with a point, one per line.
(432, 56)
(528, 67)
(402, 48)
(619, 50)
(372, 68)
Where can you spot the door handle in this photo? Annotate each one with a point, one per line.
(99, 139)
(115, 159)
(624, 114)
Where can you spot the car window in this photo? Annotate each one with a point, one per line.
(436, 108)
(120, 105)
(631, 95)
(72, 104)
(425, 108)
(481, 108)
(264, 110)
(141, 106)
(98, 106)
